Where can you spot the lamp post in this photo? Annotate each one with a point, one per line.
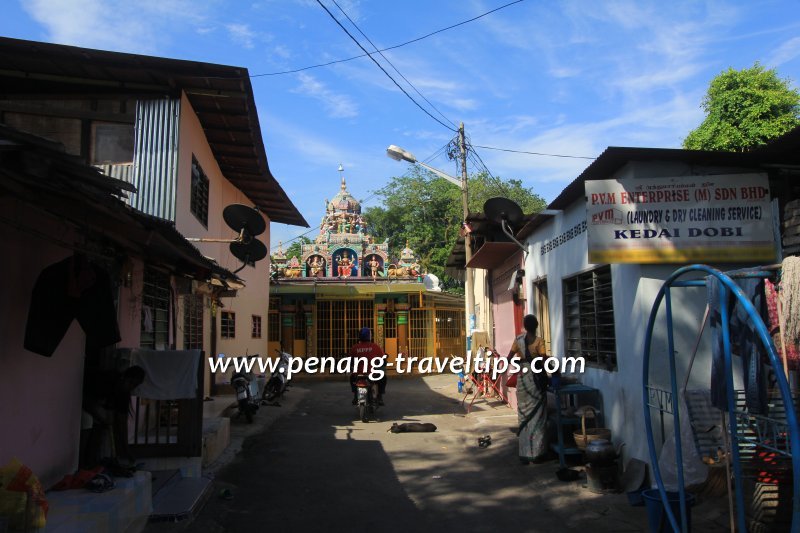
(398, 154)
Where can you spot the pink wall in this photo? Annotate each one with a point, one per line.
(254, 298)
(40, 397)
(503, 310)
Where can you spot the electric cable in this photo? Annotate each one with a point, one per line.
(533, 153)
(392, 65)
(388, 48)
(381, 67)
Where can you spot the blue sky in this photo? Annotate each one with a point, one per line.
(567, 78)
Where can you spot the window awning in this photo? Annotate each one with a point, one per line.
(493, 254)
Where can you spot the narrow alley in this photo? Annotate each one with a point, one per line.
(317, 468)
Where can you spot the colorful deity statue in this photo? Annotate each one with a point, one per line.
(345, 265)
(374, 266)
(315, 266)
(343, 246)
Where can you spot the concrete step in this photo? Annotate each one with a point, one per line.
(180, 500)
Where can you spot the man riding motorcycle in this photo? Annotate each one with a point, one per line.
(365, 349)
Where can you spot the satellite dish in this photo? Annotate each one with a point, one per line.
(241, 218)
(247, 222)
(249, 252)
(506, 213)
(501, 209)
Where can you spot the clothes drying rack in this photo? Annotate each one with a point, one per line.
(779, 436)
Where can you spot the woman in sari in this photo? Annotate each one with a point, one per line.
(531, 394)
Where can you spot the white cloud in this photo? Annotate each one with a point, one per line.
(309, 145)
(282, 51)
(113, 24)
(784, 53)
(337, 105)
(241, 34)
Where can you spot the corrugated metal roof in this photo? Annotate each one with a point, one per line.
(221, 96)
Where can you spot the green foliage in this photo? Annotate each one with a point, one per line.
(745, 108)
(295, 249)
(427, 211)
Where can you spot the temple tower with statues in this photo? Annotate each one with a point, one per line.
(344, 247)
(344, 281)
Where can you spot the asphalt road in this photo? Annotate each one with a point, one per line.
(318, 468)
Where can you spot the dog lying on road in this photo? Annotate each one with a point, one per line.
(413, 427)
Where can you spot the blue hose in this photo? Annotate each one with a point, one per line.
(783, 386)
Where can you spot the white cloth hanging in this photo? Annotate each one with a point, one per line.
(169, 374)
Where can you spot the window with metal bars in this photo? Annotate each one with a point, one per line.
(274, 326)
(589, 318)
(193, 321)
(274, 320)
(256, 327)
(338, 324)
(155, 310)
(419, 320)
(300, 325)
(450, 331)
(390, 325)
(227, 324)
(198, 202)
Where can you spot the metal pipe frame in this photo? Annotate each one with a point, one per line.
(727, 284)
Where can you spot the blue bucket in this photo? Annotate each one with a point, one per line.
(657, 519)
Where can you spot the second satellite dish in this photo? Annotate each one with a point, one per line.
(249, 252)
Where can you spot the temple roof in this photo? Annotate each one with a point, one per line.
(344, 201)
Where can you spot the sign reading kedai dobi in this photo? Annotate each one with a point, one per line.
(724, 218)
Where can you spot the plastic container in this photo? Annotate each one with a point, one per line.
(657, 519)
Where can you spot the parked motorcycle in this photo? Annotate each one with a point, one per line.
(248, 406)
(279, 381)
(366, 397)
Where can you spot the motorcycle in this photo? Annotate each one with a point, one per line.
(366, 397)
(279, 381)
(244, 395)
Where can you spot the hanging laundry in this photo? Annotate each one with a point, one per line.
(169, 374)
(743, 336)
(790, 296)
(147, 319)
(72, 288)
(792, 352)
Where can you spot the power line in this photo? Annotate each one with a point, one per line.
(497, 182)
(386, 49)
(381, 67)
(374, 194)
(532, 153)
(392, 65)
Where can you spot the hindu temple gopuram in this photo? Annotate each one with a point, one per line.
(345, 280)
(344, 248)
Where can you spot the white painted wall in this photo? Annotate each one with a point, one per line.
(634, 290)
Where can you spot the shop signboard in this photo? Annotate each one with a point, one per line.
(724, 218)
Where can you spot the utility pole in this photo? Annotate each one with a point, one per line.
(469, 288)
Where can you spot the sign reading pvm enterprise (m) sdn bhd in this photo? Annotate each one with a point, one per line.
(726, 218)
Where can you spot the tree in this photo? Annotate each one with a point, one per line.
(296, 248)
(426, 211)
(744, 109)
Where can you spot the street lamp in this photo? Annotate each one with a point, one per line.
(398, 154)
